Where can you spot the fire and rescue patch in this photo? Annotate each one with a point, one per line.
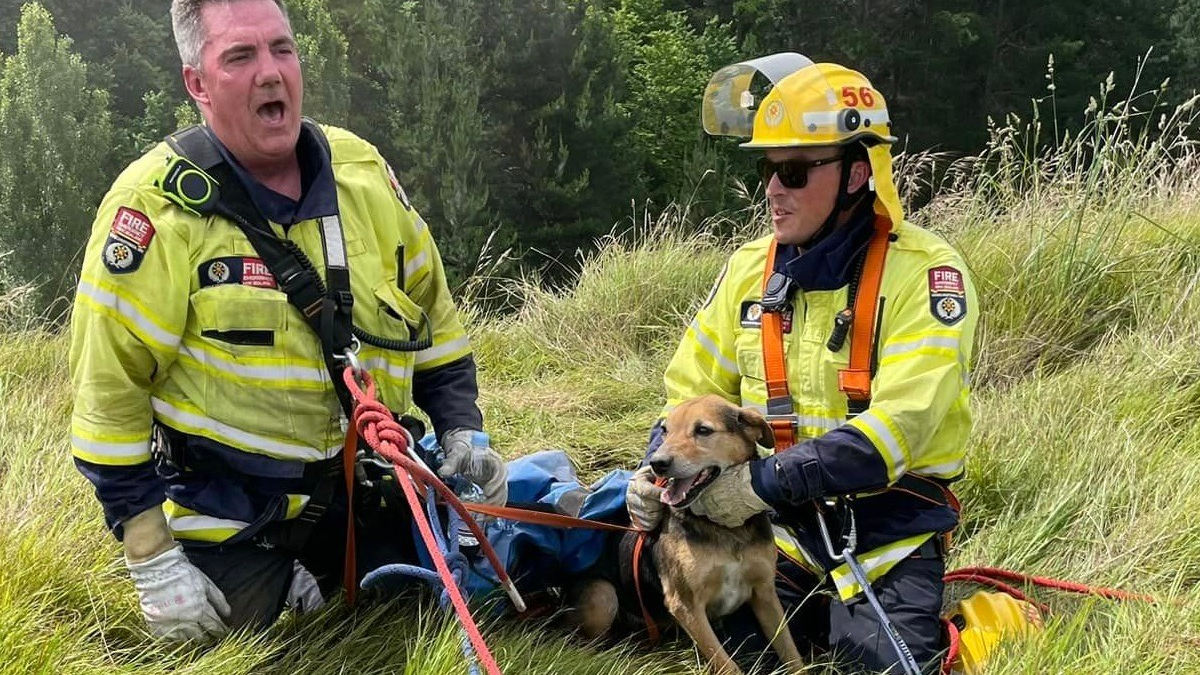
(752, 313)
(400, 194)
(236, 270)
(128, 239)
(947, 295)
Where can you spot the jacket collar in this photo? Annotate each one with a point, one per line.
(831, 263)
(318, 190)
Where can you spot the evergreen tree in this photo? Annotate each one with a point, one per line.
(58, 135)
(323, 54)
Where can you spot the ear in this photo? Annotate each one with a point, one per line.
(860, 173)
(751, 420)
(194, 83)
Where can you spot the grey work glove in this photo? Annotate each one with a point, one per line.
(730, 501)
(643, 500)
(179, 602)
(482, 466)
(304, 593)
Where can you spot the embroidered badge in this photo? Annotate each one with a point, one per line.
(752, 313)
(947, 295)
(128, 239)
(236, 270)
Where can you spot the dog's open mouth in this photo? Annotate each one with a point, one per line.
(681, 492)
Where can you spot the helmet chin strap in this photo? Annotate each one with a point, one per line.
(845, 202)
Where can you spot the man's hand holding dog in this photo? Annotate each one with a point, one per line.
(730, 501)
(643, 499)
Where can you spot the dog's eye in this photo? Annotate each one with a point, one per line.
(703, 430)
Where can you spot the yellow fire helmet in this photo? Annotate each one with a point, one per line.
(985, 619)
(786, 101)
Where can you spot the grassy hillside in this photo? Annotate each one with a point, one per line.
(1085, 463)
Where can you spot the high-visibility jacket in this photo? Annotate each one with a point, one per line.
(178, 321)
(918, 419)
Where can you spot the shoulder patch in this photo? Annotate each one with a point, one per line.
(400, 194)
(128, 239)
(947, 294)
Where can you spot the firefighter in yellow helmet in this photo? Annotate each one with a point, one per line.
(852, 330)
(208, 412)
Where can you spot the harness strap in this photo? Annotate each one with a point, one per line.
(855, 381)
(325, 306)
(780, 411)
(350, 564)
(549, 519)
(651, 626)
(199, 180)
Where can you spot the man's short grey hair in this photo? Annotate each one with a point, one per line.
(189, 29)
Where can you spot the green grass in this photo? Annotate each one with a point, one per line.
(1085, 463)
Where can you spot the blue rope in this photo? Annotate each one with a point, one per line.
(455, 561)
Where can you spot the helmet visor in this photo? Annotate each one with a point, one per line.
(734, 92)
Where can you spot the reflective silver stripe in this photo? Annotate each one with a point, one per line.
(413, 266)
(243, 438)
(820, 422)
(893, 349)
(194, 523)
(101, 448)
(439, 350)
(335, 248)
(947, 469)
(830, 118)
(241, 370)
(843, 579)
(711, 347)
(890, 442)
(380, 363)
(127, 309)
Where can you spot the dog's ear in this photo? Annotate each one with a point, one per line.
(757, 427)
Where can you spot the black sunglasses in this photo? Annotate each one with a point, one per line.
(793, 173)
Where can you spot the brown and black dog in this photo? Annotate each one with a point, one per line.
(706, 570)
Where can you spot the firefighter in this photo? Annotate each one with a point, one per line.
(851, 329)
(207, 414)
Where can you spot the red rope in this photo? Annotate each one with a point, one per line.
(1045, 582)
(952, 649)
(380, 430)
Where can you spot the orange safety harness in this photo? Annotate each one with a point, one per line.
(854, 381)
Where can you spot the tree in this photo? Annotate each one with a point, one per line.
(323, 53)
(49, 178)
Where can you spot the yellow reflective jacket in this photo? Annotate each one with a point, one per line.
(177, 320)
(918, 419)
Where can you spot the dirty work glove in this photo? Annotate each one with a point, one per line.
(483, 466)
(178, 601)
(643, 500)
(730, 501)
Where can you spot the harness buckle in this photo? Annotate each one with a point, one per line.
(790, 418)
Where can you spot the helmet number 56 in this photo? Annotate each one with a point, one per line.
(851, 97)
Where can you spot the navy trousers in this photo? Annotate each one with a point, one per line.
(910, 593)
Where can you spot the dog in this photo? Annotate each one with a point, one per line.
(706, 571)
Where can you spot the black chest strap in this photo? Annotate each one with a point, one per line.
(201, 181)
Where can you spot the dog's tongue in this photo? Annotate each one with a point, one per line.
(677, 489)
